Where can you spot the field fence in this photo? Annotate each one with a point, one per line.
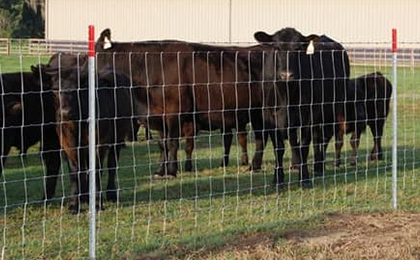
(215, 197)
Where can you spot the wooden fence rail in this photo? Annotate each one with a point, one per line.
(378, 56)
(39, 46)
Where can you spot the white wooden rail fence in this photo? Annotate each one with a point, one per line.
(358, 55)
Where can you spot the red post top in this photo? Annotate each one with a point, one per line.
(394, 40)
(91, 52)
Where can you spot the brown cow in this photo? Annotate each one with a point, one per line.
(185, 87)
(115, 111)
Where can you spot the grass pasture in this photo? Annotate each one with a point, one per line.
(213, 212)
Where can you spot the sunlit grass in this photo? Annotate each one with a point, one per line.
(210, 206)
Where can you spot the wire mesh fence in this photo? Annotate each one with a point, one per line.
(198, 144)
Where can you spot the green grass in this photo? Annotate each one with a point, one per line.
(209, 207)
(14, 63)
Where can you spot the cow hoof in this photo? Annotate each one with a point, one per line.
(337, 163)
(253, 168)
(188, 166)
(74, 209)
(111, 196)
(244, 161)
(294, 168)
(158, 176)
(376, 157)
(84, 198)
(99, 207)
(306, 184)
(281, 187)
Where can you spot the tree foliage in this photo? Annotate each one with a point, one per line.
(22, 18)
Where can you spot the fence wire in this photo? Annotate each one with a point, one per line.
(175, 111)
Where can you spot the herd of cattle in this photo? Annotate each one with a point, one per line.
(289, 87)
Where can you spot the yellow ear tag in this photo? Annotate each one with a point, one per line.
(107, 43)
(310, 50)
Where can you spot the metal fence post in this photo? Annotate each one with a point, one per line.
(394, 121)
(92, 144)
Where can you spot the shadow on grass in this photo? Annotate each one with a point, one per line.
(136, 185)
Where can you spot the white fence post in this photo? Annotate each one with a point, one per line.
(394, 121)
(92, 145)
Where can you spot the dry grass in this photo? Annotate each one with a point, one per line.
(341, 236)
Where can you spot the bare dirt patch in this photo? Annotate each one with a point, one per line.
(341, 236)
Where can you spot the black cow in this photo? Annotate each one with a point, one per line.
(373, 93)
(114, 111)
(186, 87)
(27, 117)
(313, 72)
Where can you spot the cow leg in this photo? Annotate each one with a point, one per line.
(322, 137)
(355, 140)
(5, 152)
(318, 152)
(113, 158)
(50, 153)
(189, 148)
(260, 142)
(322, 156)
(162, 143)
(52, 162)
(101, 153)
(147, 134)
(295, 147)
(135, 126)
(189, 133)
(227, 142)
(173, 144)
(338, 146)
(259, 126)
(169, 149)
(377, 128)
(243, 142)
(173, 158)
(77, 180)
(278, 144)
(304, 151)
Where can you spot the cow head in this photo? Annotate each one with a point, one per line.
(67, 60)
(69, 85)
(290, 45)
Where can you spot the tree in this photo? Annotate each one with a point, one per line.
(22, 18)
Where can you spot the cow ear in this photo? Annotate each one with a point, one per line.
(38, 70)
(311, 39)
(104, 40)
(263, 37)
(35, 69)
